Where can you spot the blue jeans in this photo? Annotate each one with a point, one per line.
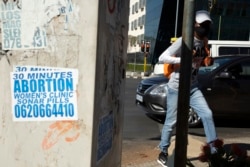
(199, 104)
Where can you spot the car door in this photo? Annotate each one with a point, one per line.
(229, 91)
(242, 98)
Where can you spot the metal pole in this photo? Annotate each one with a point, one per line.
(219, 28)
(176, 18)
(184, 85)
(135, 61)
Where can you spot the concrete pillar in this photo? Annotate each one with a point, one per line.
(62, 75)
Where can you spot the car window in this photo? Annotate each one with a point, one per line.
(236, 70)
(245, 70)
(217, 63)
(240, 70)
(233, 50)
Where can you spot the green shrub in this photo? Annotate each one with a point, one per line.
(138, 67)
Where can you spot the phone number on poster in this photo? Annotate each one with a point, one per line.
(41, 110)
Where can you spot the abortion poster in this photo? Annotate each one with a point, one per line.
(44, 94)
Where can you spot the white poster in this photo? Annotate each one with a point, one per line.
(24, 22)
(11, 26)
(44, 94)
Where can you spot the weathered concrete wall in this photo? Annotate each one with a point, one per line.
(87, 38)
(109, 95)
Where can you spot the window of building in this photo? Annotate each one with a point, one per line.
(135, 24)
(132, 40)
(143, 19)
(142, 4)
(231, 8)
(133, 9)
(140, 22)
(136, 7)
(140, 38)
(132, 25)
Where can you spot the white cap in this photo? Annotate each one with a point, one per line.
(202, 16)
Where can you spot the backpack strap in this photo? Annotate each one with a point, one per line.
(208, 60)
(207, 50)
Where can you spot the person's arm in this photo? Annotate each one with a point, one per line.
(167, 57)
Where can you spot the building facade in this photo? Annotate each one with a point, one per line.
(144, 19)
(136, 31)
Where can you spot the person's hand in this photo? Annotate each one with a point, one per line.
(208, 61)
(194, 52)
(176, 66)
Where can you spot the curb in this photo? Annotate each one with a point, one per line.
(136, 75)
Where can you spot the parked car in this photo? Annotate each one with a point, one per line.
(225, 85)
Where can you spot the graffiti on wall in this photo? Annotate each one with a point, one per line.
(111, 88)
(114, 52)
(68, 131)
(111, 5)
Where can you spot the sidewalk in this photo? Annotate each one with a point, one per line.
(193, 151)
(144, 155)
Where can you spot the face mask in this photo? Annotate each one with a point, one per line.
(202, 31)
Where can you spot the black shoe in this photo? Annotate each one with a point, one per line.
(163, 159)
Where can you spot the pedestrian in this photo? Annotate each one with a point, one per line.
(201, 57)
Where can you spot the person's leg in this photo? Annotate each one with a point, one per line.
(200, 106)
(170, 121)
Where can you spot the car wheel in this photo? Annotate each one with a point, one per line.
(193, 119)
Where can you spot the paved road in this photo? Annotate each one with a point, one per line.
(142, 133)
(136, 124)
